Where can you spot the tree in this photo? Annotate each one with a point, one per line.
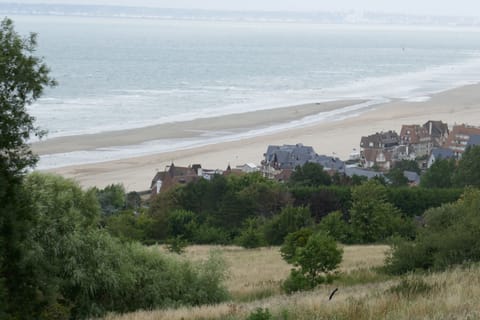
(310, 174)
(23, 77)
(315, 257)
(372, 217)
(397, 178)
(439, 175)
(468, 171)
(112, 199)
(289, 220)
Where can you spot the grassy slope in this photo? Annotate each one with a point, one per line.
(363, 294)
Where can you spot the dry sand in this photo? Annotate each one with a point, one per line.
(461, 105)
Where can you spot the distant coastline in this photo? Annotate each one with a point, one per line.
(139, 12)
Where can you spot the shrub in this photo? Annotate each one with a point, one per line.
(260, 314)
(315, 262)
(451, 236)
(336, 227)
(295, 282)
(251, 236)
(176, 245)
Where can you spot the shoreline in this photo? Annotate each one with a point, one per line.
(231, 124)
(460, 105)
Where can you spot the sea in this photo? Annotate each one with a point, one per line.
(121, 73)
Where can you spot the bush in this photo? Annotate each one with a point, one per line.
(251, 236)
(205, 234)
(315, 261)
(176, 245)
(86, 272)
(451, 236)
(336, 227)
(295, 282)
(260, 314)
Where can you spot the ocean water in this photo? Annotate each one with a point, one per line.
(116, 73)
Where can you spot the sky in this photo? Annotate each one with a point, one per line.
(433, 7)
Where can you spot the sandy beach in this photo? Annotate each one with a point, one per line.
(461, 105)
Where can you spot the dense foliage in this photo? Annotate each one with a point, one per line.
(23, 78)
(450, 235)
(84, 271)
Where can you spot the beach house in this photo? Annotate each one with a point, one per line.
(378, 149)
(459, 138)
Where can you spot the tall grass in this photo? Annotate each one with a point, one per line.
(453, 294)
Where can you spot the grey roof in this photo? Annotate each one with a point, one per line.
(380, 140)
(350, 172)
(412, 176)
(441, 153)
(291, 156)
(330, 162)
(474, 140)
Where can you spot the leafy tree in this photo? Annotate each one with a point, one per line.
(290, 219)
(439, 175)
(319, 257)
(335, 225)
(23, 77)
(310, 174)
(133, 200)
(294, 241)
(408, 165)
(315, 261)
(468, 171)
(181, 223)
(372, 218)
(396, 177)
(112, 199)
(251, 235)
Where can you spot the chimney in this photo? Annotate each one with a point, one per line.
(430, 128)
(159, 186)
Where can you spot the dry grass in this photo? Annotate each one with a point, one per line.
(254, 281)
(455, 294)
(258, 273)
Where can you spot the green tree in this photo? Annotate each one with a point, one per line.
(315, 260)
(112, 199)
(290, 219)
(23, 77)
(468, 171)
(319, 257)
(396, 177)
(372, 218)
(439, 175)
(408, 165)
(310, 174)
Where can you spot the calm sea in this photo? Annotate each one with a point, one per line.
(116, 73)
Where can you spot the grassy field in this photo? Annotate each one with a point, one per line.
(255, 277)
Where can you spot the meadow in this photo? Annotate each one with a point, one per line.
(363, 292)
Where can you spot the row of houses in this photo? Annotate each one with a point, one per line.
(428, 141)
(176, 175)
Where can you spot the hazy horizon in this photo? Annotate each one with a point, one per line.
(411, 7)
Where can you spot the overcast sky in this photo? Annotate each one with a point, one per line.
(436, 7)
